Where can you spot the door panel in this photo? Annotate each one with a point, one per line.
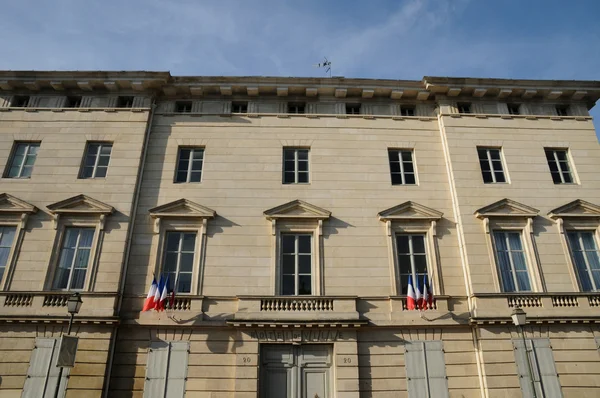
(314, 383)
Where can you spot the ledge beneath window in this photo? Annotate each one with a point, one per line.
(54, 304)
(296, 308)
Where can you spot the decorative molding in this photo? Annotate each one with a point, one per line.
(12, 205)
(506, 208)
(410, 211)
(181, 208)
(80, 204)
(297, 209)
(577, 209)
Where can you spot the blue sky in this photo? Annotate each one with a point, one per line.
(401, 39)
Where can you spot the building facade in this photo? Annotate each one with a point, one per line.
(290, 216)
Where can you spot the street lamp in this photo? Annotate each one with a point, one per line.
(519, 318)
(73, 306)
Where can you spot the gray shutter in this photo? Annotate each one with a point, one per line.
(522, 367)
(156, 370)
(545, 369)
(177, 370)
(598, 342)
(416, 369)
(43, 373)
(436, 369)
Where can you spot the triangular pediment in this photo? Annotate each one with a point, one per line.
(297, 209)
(410, 211)
(82, 204)
(576, 208)
(182, 208)
(506, 208)
(10, 204)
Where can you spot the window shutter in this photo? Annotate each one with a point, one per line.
(156, 370)
(416, 371)
(436, 369)
(177, 371)
(546, 368)
(598, 342)
(43, 373)
(522, 368)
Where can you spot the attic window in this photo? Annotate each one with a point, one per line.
(73, 102)
(562, 110)
(514, 109)
(352, 109)
(20, 101)
(183, 106)
(124, 102)
(464, 107)
(296, 107)
(407, 110)
(239, 107)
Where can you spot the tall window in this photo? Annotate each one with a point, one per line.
(23, 159)
(586, 258)
(352, 109)
(511, 262)
(189, 165)
(74, 258)
(491, 165)
(179, 260)
(296, 264)
(412, 259)
(7, 235)
(401, 166)
(295, 165)
(558, 161)
(296, 107)
(96, 160)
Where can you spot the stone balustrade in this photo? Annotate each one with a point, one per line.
(32, 304)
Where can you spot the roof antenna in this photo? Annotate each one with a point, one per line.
(325, 64)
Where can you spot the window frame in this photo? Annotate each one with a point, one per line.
(297, 254)
(125, 101)
(408, 110)
(296, 171)
(561, 110)
(181, 232)
(413, 273)
(298, 108)
(401, 162)
(242, 107)
(73, 101)
(72, 267)
(569, 162)
(100, 144)
(13, 153)
(530, 277)
(190, 163)
(353, 108)
(594, 232)
(513, 109)
(490, 161)
(184, 106)
(20, 101)
(464, 108)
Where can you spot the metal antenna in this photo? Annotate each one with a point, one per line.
(325, 64)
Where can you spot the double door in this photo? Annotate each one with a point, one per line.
(295, 371)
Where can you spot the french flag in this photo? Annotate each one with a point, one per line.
(150, 303)
(158, 294)
(427, 301)
(411, 298)
(418, 296)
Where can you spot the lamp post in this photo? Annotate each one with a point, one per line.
(73, 306)
(519, 318)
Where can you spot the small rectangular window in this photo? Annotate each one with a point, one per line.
(189, 164)
(95, 162)
(562, 110)
(296, 264)
(124, 102)
(558, 162)
(7, 235)
(73, 102)
(239, 107)
(296, 107)
(514, 109)
(20, 101)
(412, 259)
(490, 160)
(178, 263)
(74, 258)
(586, 258)
(295, 165)
(464, 107)
(402, 167)
(183, 106)
(22, 160)
(512, 265)
(407, 110)
(352, 109)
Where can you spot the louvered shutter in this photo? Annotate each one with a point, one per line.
(416, 369)
(43, 373)
(546, 368)
(522, 367)
(177, 369)
(436, 369)
(156, 370)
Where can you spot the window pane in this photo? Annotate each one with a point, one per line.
(556, 178)
(20, 149)
(86, 237)
(197, 165)
(289, 177)
(304, 284)
(81, 261)
(30, 160)
(195, 176)
(303, 177)
(181, 176)
(302, 166)
(304, 264)
(70, 239)
(93, 149)
(402, 244)
(485, 165)
(289, 165)
(304, 244)
(523, 281)
(418, 243)
(514, 240)
(499, 176)
(396, 179)
(173, 241)
(393, 156)
(288, 285)
(409, 178)
(481, 154)
(288, 244)
(420, 264)
(78, 278)
(288, 154)
(14, 171)
(408, 167)
(553, 166)
(8, 234)
(567, 177)
(487, 177)
(184, 283)
(549, 155)
(404, 264)
(187, 262)
(303, 154)
(183, 165)
(101, 172)
(403, 284)
(184, 154)
(395, 167)
(582, 271)
(198, 154)
(494, 154)
(288, 264)
(62, 278)
(561, 155)
(103, 161)
(170, 264)
(407, 156)
(4, 252)
(189, 242)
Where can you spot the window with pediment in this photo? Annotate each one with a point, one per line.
(79, 223)
(297, 229)
(14, 214)
(180, 229)
(412, 230)
(509, 226)
(578, 224)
